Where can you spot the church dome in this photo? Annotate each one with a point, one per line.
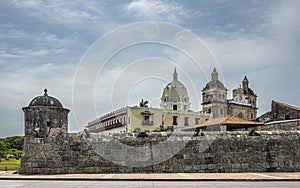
(215, 82)
(175, 90)
(45, 100)
(175, 95)
(249, 91)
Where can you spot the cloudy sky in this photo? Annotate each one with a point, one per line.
(44, 44)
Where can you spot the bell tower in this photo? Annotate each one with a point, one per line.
(214, 97)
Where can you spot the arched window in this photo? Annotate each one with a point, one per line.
(241, 115)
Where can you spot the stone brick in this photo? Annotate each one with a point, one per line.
(278, 152)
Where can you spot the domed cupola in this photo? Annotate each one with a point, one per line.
(175, 95)
(45, 100)
(215, 82)
(45, 116)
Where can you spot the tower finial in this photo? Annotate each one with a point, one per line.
(245, 82)
(45, 92)
(214, 75)
(175, 75)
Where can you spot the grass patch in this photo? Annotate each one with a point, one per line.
(11, 164)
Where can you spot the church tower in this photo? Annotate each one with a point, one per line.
(175, 96)
(244, 102)
(214, 97)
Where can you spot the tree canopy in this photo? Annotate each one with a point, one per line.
(144, 103)
(11, 145)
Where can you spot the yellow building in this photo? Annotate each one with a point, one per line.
(132, 119)
(174, 114)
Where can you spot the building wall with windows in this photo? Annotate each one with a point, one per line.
(113, 122)
(241, 110)
(183, 119)
(132, 119)
(143, 118)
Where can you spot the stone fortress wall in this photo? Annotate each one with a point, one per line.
(49, 149)
(276, 151)
(285, 125)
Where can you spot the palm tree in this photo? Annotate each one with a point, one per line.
(144, 103)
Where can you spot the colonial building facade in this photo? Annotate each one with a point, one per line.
(175, 109)
(242, 105)
(174, 113)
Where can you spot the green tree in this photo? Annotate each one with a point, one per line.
(144, 103)
(3, 149)
(11, 146)
(14, 142)
(14, 151)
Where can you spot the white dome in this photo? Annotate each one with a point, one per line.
(175, 93)
(175, 90)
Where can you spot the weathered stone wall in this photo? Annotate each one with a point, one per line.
(287, 125)
(242, 111)
(281, 111)
(226, 152)
(39, 120)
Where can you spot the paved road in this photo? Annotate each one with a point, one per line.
(283, 176)
(144, 184)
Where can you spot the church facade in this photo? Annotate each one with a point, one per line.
(174, 113)
(214, 99)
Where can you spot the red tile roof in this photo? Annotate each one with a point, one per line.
(287, 105)
(228, 120)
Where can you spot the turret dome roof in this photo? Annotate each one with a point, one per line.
(45, 100)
